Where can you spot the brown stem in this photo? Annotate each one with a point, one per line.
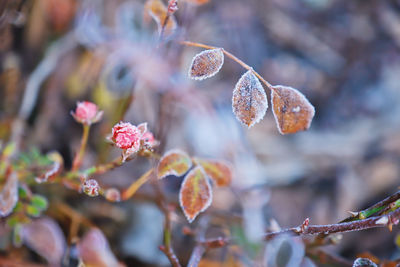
(131, 190)
(387, 220)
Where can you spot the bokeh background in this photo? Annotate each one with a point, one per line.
(344, 56)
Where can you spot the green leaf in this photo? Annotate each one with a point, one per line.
(22, 192)
(17, 235)
(33, 211)
(39, 202)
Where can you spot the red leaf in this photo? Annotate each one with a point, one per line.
(94, 250)
(46, 238)
(219, 171)
(249, 102)
(195, 195)
(206, 64)
(174, 162)
(292, 111)
(9, 195)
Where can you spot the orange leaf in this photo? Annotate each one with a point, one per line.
(158, 11)
(195, 195)
(219, 171)
(249, 102)
(174, 162)
(292, 111)
(9, 195)
(206, 64)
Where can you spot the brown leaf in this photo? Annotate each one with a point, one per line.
(9, 195)
(249, 102)
(219, 171)
(195, 195)
(292, 111)
(206, 64)
(174, 162)
(46, 238)
(158, 11)
(94, 250)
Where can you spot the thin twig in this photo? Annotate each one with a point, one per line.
(131, 190)
(233, 57)
(79, 155)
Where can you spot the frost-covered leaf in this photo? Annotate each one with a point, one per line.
(94, 250)
(195, 195)
(158, 11)
(53, 170)
(249, 102)
(219, 171)
(174, 162)
(206, 64)
(197, 2)
(364, 262)
(46, 238)
(9, 195)
(292, 111)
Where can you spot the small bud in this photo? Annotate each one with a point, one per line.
(86, 113)
(91, 187)
(172, 6)
(113, 195)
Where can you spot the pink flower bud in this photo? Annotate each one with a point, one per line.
(87, 113)
(113, 195)
(149, 140)
(172, 6)
(91, 187)
(126, 136)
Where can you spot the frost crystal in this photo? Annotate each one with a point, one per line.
(249, 101)
(206, 64)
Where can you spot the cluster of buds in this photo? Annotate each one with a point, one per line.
(87, 113)
(132, 139)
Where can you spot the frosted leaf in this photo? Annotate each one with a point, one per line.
(249, 102)
(52, 170)
(364, 262)
(45, 237)
(292, 111)
(219, 171)
(206, 64)
(9, 195)
(174, 162)
(158, 11)
(195, 195)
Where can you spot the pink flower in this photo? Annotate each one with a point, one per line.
(126, 136)
(91, 187)
(87, 113)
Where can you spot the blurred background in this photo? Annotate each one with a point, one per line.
(344, 56)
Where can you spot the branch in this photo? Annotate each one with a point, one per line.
(387, 220)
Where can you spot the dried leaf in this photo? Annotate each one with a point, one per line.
(46, 238)
(53, 170)
(174, 162)
(195, 195)
(206, 64)
(292, 111)
(158, 11)
(94, 250)
(9, 195)
(219, 171)
(249, 102)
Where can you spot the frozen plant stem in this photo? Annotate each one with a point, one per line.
(233, 57)
(79, 156)
(128, 193)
